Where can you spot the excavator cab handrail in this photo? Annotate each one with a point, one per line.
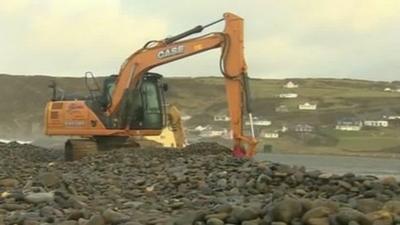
(90, 75)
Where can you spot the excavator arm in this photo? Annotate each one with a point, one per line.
(233, 67)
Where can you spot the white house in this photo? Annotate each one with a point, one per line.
(392, 117)
(270, 135)
(376, 123)
(349, 124)
(303, 128)
(290, 84)
(288, 95)
(388, 89)
(222, 118)
(186, 117)
(284, 129)
(308, 106)
(259, 122)
(214, 133)
(201, 128)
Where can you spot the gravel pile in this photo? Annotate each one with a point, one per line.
(201, 185)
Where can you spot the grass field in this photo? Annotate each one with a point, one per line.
(364, 141)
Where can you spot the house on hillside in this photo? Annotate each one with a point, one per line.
(201, 128)
(258, 122)
(388, 89)
(392, 117)
(214, 132)
(308, 106)
(349, 124)
(185, 117)
(376, 123)
(269, 135)
(219, 118)
(288, 95)
(389, 114)
(290, 84)
(282, 108)
(284, 129)
(303, 128)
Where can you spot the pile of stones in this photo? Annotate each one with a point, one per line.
(201, 184)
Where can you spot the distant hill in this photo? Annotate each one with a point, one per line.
(23, 99)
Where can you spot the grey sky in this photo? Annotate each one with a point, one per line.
(293, 38)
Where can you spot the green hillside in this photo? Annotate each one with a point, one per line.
(23, 99)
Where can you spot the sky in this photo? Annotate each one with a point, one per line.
(357, 39)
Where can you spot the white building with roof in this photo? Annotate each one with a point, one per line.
(349, 124)
(259, 122)
(290, 84)
(288, 95)
(388, 89)
(214, 132)
(308, 106)
(270, 135)
(376, 123)
(222, 118)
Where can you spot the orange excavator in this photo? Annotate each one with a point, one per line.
(132, 103)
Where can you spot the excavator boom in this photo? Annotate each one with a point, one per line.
(232, 63)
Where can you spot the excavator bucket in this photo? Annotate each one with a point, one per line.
(239, 152)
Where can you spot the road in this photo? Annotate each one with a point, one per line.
(339, 164)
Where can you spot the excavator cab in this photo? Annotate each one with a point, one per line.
(142, 108)
(146, 104)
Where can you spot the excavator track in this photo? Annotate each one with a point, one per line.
(76, 149)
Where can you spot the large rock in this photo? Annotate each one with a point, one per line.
(221, 216)
(380, 218)
(49, 179)
(69, 222)
(9, 182)
(189, 218)
(392, 206)
(262, 183)
(368, 205)
(333, 206)
(316, 213)
(318, 221)
(215, 221)
(251, 222)
(390, 181)
(239, 214)
(95, 220)
(287, 210)
(113, 217)
(39, 197)
(13, 206)
(346, 215)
